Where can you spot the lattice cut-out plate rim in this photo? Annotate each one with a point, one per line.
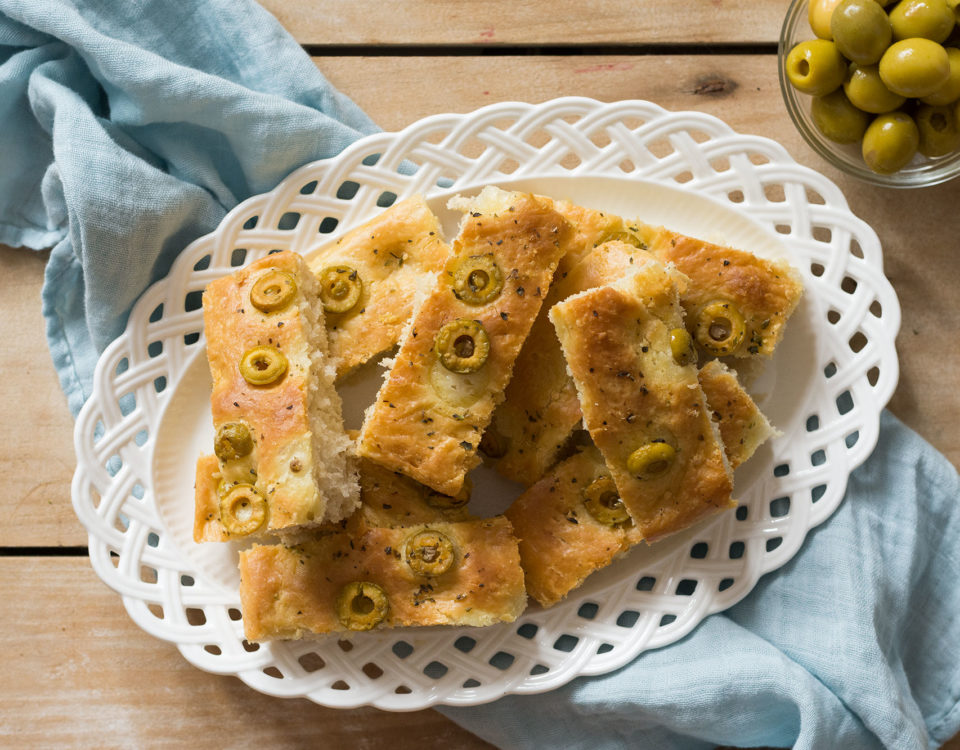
(651, 598)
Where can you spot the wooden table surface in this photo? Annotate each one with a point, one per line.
(82, 674)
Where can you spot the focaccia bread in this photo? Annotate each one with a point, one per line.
(645, 411)
(443, 574)
(593, 228)
(540, 408)
(457, 355)
(284, 457)
(391, 499)
(370, 277)
(743, 427)
(570, 524)
(738, 303)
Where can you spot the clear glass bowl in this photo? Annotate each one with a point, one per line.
(921, 172)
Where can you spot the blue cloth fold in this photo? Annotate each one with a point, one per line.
(130, 128)
(855, 643)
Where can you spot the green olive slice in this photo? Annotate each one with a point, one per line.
(681, 346)
(428, 553)
(263, 365)
(477, 279)
(602, 500)
(340, 288)
(242, 510)
(720, 328)
(362, 605)
(462, 345)
(273, 291)
(233, 440)
(651, 461)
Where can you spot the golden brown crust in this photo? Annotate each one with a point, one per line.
(765, 291)
(743, 427)
(280, 415)
(561, 543)
(593, 228)
(427, 421)
(391, 499)
(540, 407)
(632, 393)
(291, 592)
(394, 254)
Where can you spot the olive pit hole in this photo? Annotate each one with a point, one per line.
(464, 346)
(478, 280)
(362, 604)
(720, 329)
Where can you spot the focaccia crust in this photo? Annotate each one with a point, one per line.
(427, 421)
(765, 291)
(395, 254)
(303, 481)
(616, 340)
(292, 592)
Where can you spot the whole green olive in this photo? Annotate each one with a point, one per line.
(890, 142)
(914, 67)
(818, 13)
(838, 119)
(861, 30)
(949, 92)
(867, 92)
(816, 67)
(929, 19)
(939, 134)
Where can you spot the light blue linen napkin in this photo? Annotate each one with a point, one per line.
(130, 128)
(853, 644)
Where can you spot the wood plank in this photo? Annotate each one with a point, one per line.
(537, 23)
(34, 414)
(89, 677)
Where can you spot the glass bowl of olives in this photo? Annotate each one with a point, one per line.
(874, 86)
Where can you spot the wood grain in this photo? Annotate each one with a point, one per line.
(72, 651)
(34, 415)
(537, 23)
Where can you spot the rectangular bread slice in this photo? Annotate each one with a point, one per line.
(283, 453)
(561, 540)
(761, 292)
(743, 427)
(540, 408)
(567, 522)
(343, 582)
(388, 259)
(645, 412)
(458, 353)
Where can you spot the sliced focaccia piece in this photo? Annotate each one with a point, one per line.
(392, 499)
(738, 303)
(206, 509)
(283, 454)
(593, 228)
(743, 427)
(540, 407)
(570, 524)
(370, 276)
(645, 411)
(443, 574)
(457, 355)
